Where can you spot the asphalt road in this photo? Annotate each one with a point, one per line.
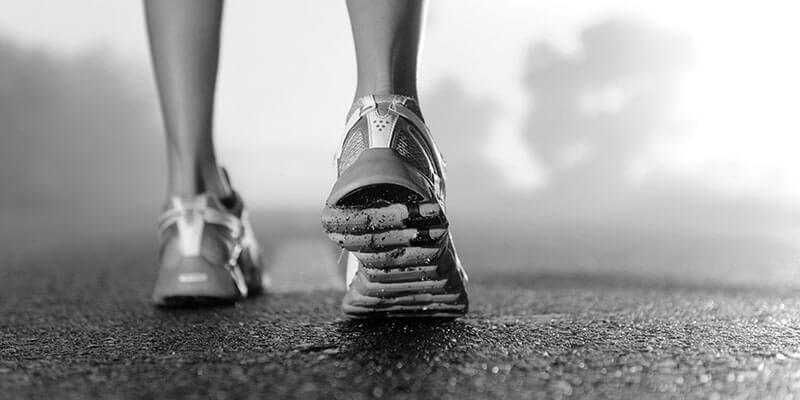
(75, 323)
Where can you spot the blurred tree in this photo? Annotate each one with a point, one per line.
(460, 122)
(593, 113)
(76, 131)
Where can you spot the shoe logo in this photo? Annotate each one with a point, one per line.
(192, 277)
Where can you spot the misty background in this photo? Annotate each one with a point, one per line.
(606, 137)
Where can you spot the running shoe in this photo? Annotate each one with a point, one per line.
(386, 211)
(208, 253)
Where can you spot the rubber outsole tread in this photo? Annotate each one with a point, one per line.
(403, 270)
(402, 257)
(351, 220)
(406, 274)
(388, 240)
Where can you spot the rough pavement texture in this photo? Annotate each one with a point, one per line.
(75, 323)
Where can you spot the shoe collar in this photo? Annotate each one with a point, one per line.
(200, 209)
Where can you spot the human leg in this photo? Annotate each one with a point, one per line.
(208, 253)
(386, 209)
(184, 43)
(386, 34)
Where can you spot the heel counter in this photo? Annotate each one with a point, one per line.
(380, 166)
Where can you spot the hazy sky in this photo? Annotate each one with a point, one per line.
(282, 102)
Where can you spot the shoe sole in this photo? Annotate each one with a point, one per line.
(402, 253)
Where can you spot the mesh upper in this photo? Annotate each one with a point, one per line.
(408, 148)
(406, 141)
(354, 144)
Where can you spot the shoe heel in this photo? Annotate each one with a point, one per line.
(194, 281)
(380, 172)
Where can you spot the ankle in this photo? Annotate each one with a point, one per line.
(408, 89)
(205, 180)
(410, 102)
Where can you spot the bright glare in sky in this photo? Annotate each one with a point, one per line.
(743, 96)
